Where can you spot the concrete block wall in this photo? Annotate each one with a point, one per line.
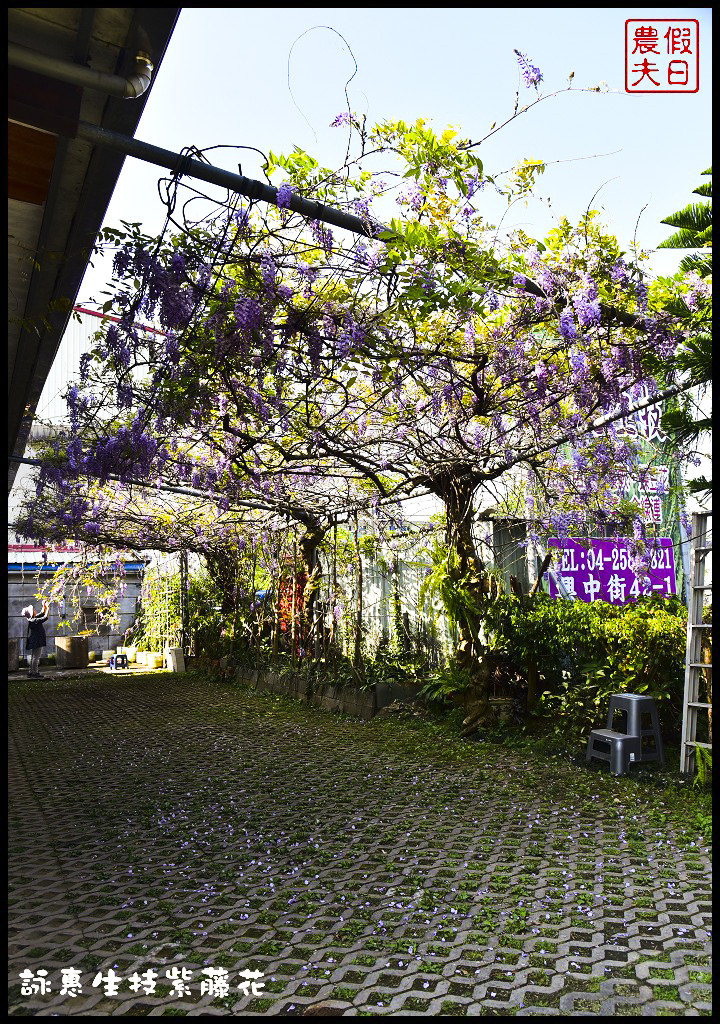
(348, 699)
(21, 592)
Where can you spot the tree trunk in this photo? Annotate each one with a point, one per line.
(457, 493)
(532, 677)
(401, 633)
(357, 654)
(293, 612)
(334, 622)
(222, 568)
(525, 603)
(276, 623)
(312, 569)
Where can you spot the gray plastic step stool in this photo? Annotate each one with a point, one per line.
(634, 706)
(118, 661)
(616, 747)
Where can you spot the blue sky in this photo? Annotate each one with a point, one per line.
(224, 82)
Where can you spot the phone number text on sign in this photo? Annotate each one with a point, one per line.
(600, 570)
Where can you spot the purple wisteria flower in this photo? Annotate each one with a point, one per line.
(124, 395)
(124, 259)
(426, 277)
(307, 272)
(267, 270)
(352, 336)
(248, 315)
(578, 361)
(284, 194)
(177, 266)
(619, 272)
(323, 236)
(700, 290)
(362, 207)
(567, 324)
(587, 309)
(686, 524)
(641, 292)
(546, 279)
(341, 119)
(492, 300)
(531, 74)
(473, 183)
(541, 372)
(412, 196)
(176, 307)
(370, 257)
(172, 348)
(85, 360)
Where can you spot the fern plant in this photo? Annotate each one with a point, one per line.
(458, 593)
(703, 759)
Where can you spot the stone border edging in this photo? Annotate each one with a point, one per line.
(351, 700)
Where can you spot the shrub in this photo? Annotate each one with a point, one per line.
(445, 684)
(584, 652)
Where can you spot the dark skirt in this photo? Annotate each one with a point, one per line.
(36, 636)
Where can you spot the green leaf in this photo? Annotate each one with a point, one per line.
(695, 217)
(684, 239)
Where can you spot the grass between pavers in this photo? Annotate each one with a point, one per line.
(660, 796)
(658, 799)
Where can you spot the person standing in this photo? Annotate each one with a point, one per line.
(36, 639)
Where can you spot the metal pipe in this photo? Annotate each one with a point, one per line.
(227, 179)
(129, 88)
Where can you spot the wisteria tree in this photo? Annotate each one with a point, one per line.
(293, 371)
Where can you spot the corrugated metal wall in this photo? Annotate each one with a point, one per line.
(76, 340)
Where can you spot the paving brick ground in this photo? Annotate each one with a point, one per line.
(185, 826)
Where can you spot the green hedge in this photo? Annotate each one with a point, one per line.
(584, 652)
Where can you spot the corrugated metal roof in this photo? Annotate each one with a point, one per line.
(47, 567)
(51, 225)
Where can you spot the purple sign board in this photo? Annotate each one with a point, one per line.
(599, 570)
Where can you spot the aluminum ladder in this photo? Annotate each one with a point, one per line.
(694, 665)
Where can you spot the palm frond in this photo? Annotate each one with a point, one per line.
(686, 238)
(696, 358)
(701, 486)
(695, 217)
(701, 265)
